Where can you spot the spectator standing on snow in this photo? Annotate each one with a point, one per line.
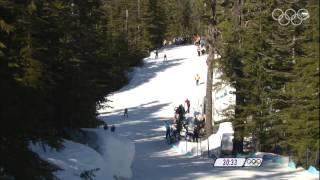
(167, 125)
(202, 42)
(156, 57)
(179, 127)
(188, 105)
(125, 113)
(203, 50)
(113, 128)
(196, 133)
(199, 50)
(165, 58)
(164, 43)
(181, 112)
(197, 78)
(105, 126)
(197, 40)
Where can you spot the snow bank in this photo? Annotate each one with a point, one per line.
(75, 159)
(313, 170)
(105, 155)
(121, 154)
(271, 159)
(118, 152)
(214, 142)
(187, 148)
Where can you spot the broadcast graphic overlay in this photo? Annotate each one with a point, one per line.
(290, 19)
(290, 16)
(238, 162)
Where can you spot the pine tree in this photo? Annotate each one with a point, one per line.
(302, 115)
(156, 20)
(275, 78)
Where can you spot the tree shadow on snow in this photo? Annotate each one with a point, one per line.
(118, 112)
(153, 157)
(147, 131)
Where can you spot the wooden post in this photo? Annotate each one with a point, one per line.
(208, 148)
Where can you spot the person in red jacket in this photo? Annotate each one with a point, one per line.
(188, 105)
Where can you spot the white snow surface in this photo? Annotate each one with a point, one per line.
(113, 156)
(74, 159)
(153, 92)
(117, 152)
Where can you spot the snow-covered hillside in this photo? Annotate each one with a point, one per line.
(154, 91)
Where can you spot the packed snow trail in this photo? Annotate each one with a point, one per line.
(153, 92)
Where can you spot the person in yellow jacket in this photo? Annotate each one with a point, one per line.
(197, 78)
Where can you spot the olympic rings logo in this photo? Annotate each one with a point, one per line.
(256, 162)
(290, 16)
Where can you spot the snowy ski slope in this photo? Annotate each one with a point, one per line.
(154, 91)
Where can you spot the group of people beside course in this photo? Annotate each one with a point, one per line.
(165, 59)
(200, 42)
(191, 126)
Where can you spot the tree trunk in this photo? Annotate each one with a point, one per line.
(211, 40)
(209, 127)
(238, 134)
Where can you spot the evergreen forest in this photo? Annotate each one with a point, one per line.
(275, 70)
(59, 59)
